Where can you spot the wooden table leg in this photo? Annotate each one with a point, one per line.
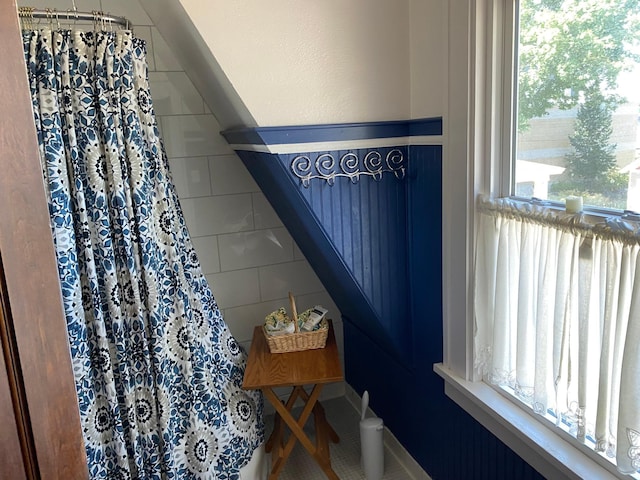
(276, 436)
(296, 427)
(322, 440)
(298, 433)
(332, 433)
(324, 433)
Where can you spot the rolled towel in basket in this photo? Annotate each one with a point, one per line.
(278, 323)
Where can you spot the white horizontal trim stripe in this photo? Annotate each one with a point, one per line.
(286, 148)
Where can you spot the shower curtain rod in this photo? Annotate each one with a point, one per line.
(29, 13)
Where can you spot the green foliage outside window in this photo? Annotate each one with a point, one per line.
(591, 166)
(570, 56)
(572, 46)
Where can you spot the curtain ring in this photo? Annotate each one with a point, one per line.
(21, 15)
(22, 12)
(26, 16)
(37, 21)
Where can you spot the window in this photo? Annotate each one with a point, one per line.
(578, 102)
(556, 324)
(481, 142)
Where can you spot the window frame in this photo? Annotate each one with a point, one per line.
(478, 127)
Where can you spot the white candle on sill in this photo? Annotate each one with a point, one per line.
(573, 204)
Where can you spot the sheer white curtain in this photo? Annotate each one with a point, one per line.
(557, 305)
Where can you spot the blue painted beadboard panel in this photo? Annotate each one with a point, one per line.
(387, 355)
(445, 440)
(366, 222)
(352, 235)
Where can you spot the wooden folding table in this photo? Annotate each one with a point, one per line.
(266, 371)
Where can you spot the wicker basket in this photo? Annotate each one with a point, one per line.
(298, 341)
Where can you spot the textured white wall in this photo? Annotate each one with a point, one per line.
(428, 53)
(298, 62)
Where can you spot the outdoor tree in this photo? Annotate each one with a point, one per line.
(571, 54)
(593, 159)
(569, 47)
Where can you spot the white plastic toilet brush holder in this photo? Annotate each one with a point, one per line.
(372, 447)
(371, 443)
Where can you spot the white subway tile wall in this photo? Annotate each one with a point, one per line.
(227, 178)
(134, 11)
(218, 214)
(255, 248)
(192, 135)
(248, 257)
(264, 215)
(173, 93)
(164, 58)
(292, 276)
(235, 288)
(207, 250)
(191, 176)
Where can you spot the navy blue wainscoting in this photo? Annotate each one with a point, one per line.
(354, 235)
(376, 246)
(365, 220)
(445, 440)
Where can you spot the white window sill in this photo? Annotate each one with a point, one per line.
(543, 449)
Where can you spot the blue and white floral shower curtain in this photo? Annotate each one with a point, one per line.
(158, 374)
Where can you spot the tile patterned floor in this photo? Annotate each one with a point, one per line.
(345, 456)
